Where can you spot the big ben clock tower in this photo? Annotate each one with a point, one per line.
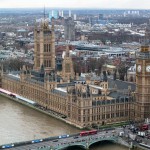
(142, 94)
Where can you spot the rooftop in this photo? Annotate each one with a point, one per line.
(121, 85)
(95, 86)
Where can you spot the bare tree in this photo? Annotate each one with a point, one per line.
(90, 65)
(122, 69)
(14, 64)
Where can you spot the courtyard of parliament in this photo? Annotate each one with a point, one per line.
(93, 100)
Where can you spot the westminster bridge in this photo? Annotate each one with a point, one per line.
(66, 141)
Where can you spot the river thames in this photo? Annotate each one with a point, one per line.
(20, 123)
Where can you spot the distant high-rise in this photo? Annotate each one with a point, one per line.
(69, 26)
(101, 16)
(61, 13)
(69, 13)
(75, 17)
(53, 14)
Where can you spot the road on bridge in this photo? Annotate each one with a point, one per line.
(68, 141)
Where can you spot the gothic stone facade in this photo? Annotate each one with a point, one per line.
(44, 47)
(82, 104)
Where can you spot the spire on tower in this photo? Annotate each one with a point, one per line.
(67, 50)
(35, 24)
(52, 28)
(44, 13)
(69, 13)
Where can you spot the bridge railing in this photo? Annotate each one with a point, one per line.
(85, 143)
(17, 144)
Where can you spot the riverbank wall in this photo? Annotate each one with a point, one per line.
(50, 113)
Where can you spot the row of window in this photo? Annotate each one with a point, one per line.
(105, 116)
(47, 47)
(107, 102)
(47, 63)
(105, 109)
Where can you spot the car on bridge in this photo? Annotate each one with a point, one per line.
(63, 136)
(55, 140)
(37, 141)
(8, 146)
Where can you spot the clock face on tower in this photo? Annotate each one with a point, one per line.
(139, 68)
(148, 68)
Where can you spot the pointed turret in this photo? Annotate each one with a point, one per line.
(23, 73)
(104, 76)
(67, 67)
(42, 68)
(67, 51)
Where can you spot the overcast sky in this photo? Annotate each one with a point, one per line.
(134, 4)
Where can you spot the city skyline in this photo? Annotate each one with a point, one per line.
(124, 4)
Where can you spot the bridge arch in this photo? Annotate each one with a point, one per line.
(63, 147)
(114, 140)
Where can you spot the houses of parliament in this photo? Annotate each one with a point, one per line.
(84, 102)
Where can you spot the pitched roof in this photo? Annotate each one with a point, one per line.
(121, 85)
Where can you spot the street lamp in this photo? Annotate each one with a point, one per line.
(98, 126)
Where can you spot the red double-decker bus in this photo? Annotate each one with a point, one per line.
(93, 132)
(85, 133)
(144, 127)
